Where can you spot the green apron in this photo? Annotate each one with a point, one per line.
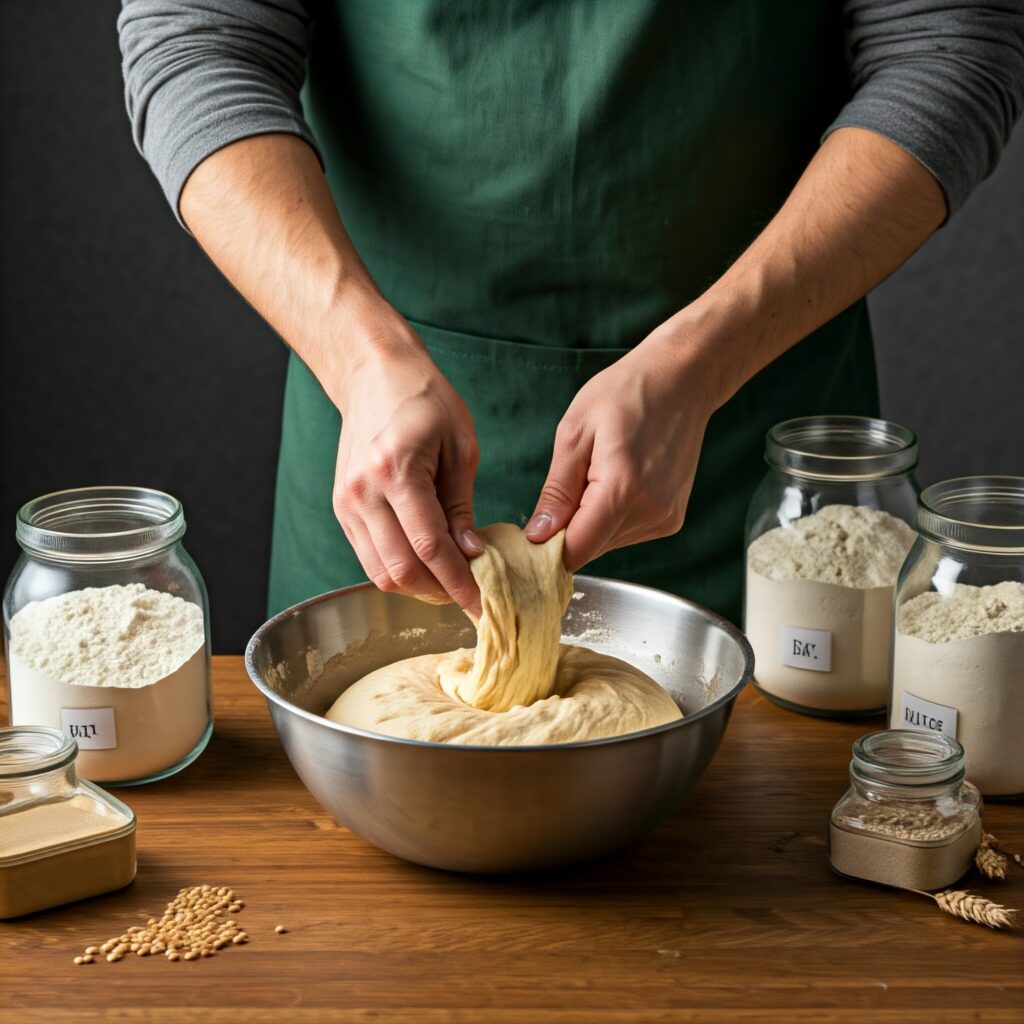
(536, 185)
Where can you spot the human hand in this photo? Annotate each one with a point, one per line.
(407, 457)
(626, 452)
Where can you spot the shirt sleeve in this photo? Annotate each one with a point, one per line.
(943, 79)
(200, 74)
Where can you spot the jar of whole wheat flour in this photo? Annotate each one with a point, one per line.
(61, 838)
(827, 532)
(908, 819)
(958, 665)
(106, 628)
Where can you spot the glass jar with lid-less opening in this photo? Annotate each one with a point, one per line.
(958, 653)
(827, 531)
(908, 819)
(61, 838)
(106, 627)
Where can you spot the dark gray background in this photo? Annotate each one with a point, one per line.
(126, 359)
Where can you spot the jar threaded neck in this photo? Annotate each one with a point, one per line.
(27, 750)
(976, 512)
(100, 523)
(841, 447)
(907, 758)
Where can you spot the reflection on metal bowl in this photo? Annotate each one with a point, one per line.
(497, 809)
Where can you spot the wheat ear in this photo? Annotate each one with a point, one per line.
(990, 862)
(972, 908)
(1007, 857)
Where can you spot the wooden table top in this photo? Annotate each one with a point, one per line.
(727, 912)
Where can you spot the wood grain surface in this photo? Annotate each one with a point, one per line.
(727, 912)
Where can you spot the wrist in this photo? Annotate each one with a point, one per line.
(718, 340)
(693, 350)
(363, 333)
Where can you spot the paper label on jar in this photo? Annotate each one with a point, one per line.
(92, 728)
(806, 648)
(918, 713)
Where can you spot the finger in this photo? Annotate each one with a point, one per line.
(365, 549)
(349, 497)
(592, 529)
(404, 571)
(454, 485)
(565, 484)
(421, 518)
(354, 498)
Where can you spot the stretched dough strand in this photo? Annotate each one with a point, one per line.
(519, 685)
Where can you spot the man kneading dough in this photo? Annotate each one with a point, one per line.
(519, 685)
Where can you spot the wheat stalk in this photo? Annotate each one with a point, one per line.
(972, 908)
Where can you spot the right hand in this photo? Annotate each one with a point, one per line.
(407, 458)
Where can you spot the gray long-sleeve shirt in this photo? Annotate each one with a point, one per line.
(944, 79)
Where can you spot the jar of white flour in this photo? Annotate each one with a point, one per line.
(958, 665)
(106, 628)
(827, 532)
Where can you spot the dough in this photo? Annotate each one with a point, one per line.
(524, 591)
(519, 685)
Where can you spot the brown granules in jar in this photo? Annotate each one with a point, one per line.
(904, 845)
(905, 821)
(192, 927)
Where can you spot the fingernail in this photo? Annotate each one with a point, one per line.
(538, 524)
(471, 543)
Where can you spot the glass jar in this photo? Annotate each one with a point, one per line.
(908, 819)
(107, 631)
(827, 531)
(958, 651)
(61, 838)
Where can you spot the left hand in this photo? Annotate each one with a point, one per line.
(626, 452)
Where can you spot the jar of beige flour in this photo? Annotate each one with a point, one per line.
(827, 532)
(908, 819)
(958, 665)
(61, 838)
(106, 628)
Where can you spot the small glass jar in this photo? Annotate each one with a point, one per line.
(826, 533)
(107, 631)
(958, 651)
(61, 838)
(908, 819)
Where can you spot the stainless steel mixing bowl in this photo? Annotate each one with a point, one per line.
(497, 809)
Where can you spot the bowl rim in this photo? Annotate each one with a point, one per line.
(729, 628)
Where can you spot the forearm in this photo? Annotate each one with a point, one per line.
(262, 211)
(212, 88)
(626, 450)
(944, 81)
(861, 208)
(403, 489)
